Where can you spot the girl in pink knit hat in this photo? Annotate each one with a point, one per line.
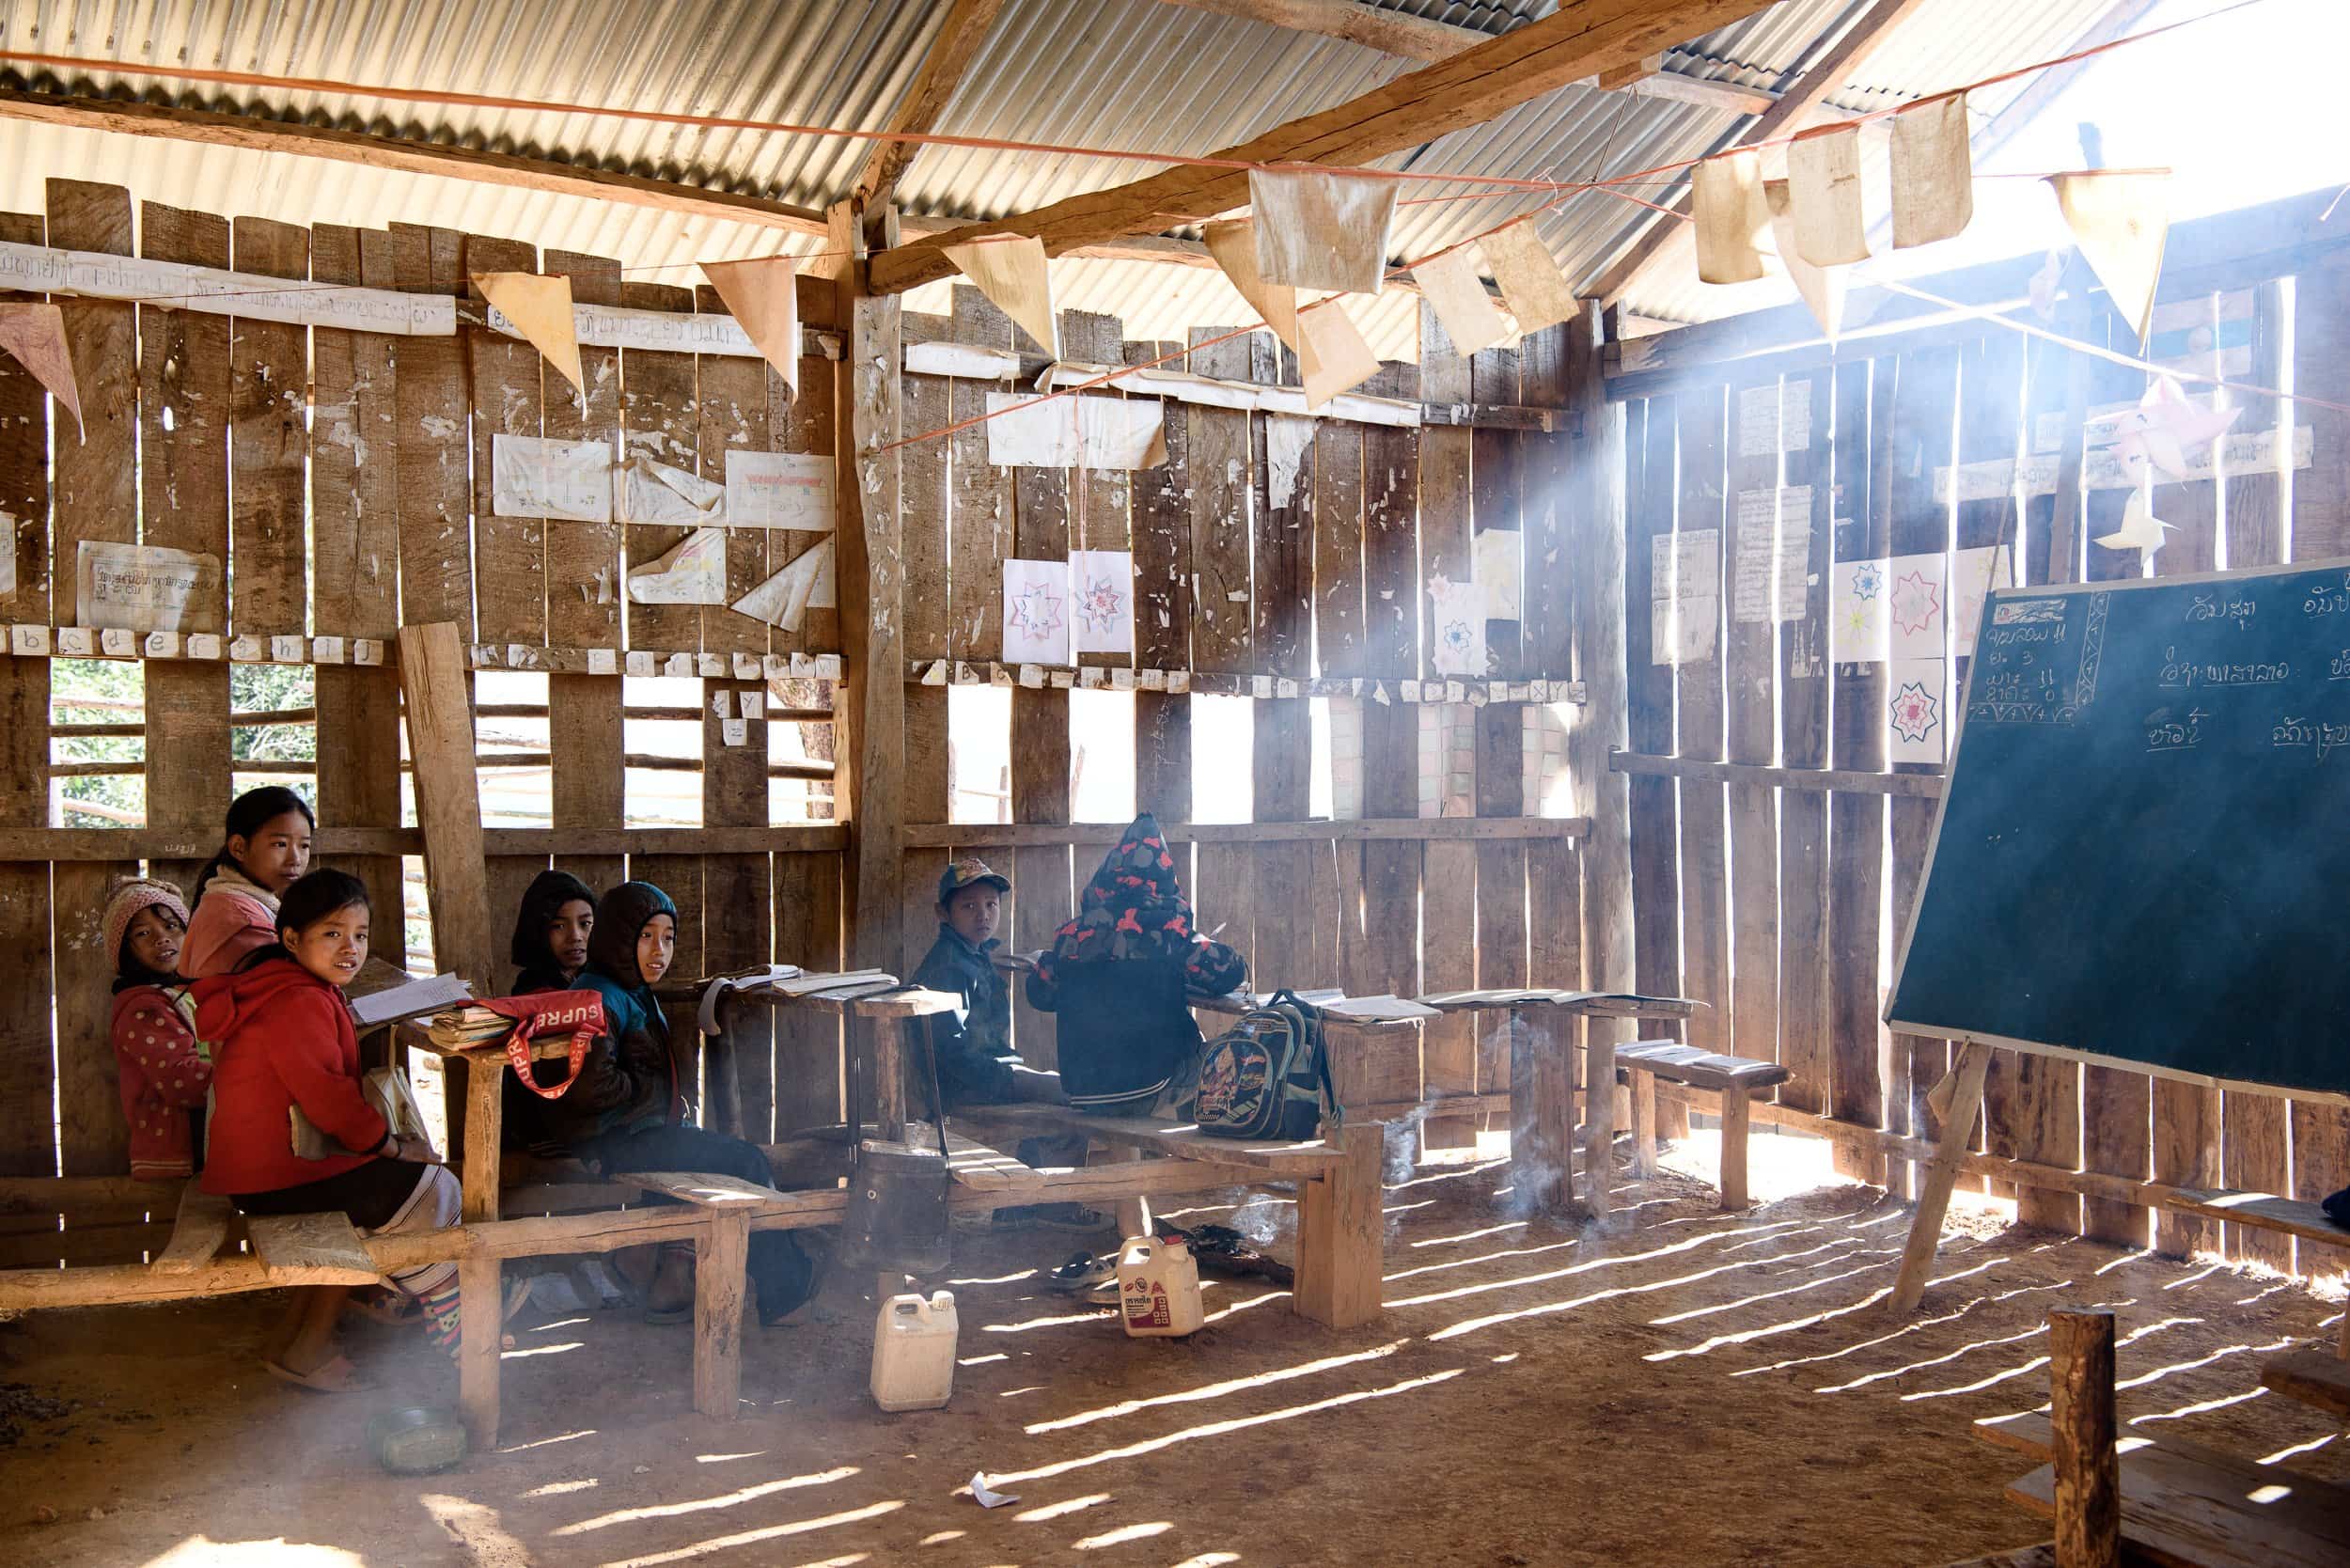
(163, 1069)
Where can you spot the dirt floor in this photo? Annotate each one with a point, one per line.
(1699, 1388)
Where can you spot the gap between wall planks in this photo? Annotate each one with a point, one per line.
(26, 1137)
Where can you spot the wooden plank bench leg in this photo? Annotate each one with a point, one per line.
(1735, 1107)
(480, 1289)
(1340, 1232)
(722, 1255)
(1643, 1124)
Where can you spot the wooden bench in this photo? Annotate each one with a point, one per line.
(2312, 1376)
(2190, 1506)
(1338, 1225)
(1737, 1079)
(294, 1249)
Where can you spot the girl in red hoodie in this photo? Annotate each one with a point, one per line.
(161, 1068)
(284, 1043)
(266, 847)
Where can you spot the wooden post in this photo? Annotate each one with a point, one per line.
(1643, 1125)
(1340, 1232)
(722, 1254)
(1542, 1112)
(871, 589)
(1600, 727)
(1934, 1201)
(448, 801)
(2088, 1468)
(1734, 1107)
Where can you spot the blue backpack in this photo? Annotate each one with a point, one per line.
(1268, 1076)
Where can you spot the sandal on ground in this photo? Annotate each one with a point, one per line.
(337, 1376)
(1083, 1274)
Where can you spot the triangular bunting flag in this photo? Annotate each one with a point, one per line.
(1934, 172)
(34, 337)
(2120, 221)
(764, 296)
(1011, 272)
(541, 309)
(1532, 285)
(1450, 285)
(1821, 288)
(1327, 231)
(1824, 187)
(1332, 356)
(1731, 214)
(1234, 247)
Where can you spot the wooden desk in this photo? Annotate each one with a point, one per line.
(1542, 1086)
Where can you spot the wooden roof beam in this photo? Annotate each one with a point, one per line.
(1581, 39)
(1809, 91)
(1414, 38)
(950, 55)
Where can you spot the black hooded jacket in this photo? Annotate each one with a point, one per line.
(549, 891)
(630, 1076)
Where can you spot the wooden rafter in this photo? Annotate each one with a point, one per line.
(1868, 32)
(1581, 39)
(1414, 38)
(951, 53)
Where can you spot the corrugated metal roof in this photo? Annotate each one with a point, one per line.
(1109, 74)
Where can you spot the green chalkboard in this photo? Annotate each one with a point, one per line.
(2143, 850)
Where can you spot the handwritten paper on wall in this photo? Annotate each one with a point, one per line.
(1075, 431)
(658, 493)
(1775, 417)
(145, 587)
(1686, 588)
(806, 583)
(1771, 575)
(780, 490)
(534, 478)
(1101, 599)
(693, 572)
(1036, 612)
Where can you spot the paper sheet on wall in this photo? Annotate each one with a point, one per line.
(1775, 417)
(1287, 439)
(1686, 564)
(1102, 594)
(1498, 573)
(1327, 231)
(1682, 632)
(1916, 710)
(34, 336)
(1859, 628)
(1536, 293)
(1075, 431)
(534, 478)
(146, 588)
(807, 583)
(1919, 591)
(780, 490)
(1771, 574)
(1974, 573)
(1456, 627)
(1036, 612)
(657, 492)
(693, 572)
(1452, 285)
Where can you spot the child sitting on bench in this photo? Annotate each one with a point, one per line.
(267, 845)
(551, 931)
(628, 1108)
(163, 1070)
(285, 1044)
(1119, 972)
(975, 1062)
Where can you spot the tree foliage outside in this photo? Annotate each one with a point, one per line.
(113, 692)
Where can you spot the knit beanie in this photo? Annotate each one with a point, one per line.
(123, 904)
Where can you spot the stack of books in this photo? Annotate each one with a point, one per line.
(467, 1029)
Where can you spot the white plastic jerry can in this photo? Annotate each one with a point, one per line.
(1158, 1288)
(913, 1352)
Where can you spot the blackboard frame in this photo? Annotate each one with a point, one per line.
(1925, 876)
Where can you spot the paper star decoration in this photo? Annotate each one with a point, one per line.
(2165, 427)
(1914, 712)
(1915, 602)
(1456, 636)
(1100, 602)
(1036, 612)
(2141, 529)
(1867, 581)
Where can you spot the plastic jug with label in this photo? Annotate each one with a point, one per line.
(1158, 1288)
(913, 1352)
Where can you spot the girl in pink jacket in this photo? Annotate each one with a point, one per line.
(266, 848)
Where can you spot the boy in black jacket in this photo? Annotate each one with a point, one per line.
(977, 1065)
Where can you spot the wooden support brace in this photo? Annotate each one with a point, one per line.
(1934, 1200)
(721, 1256)
(1736, 1104)
(1340, 1232)
(2088, 1466)
(1541, 1113)
(1643, 1125)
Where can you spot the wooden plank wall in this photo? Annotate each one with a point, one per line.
(1775, 903)
(343, 478)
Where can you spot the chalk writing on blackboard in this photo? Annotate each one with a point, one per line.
(2168, 732)
(2325, 738)
(2233, 608)
(2339, 669)
(2328, 598)
(2022, 678)
(2189, 672)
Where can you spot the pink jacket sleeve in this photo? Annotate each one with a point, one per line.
(306, 1048)
(150, 1034)
(221, 931)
